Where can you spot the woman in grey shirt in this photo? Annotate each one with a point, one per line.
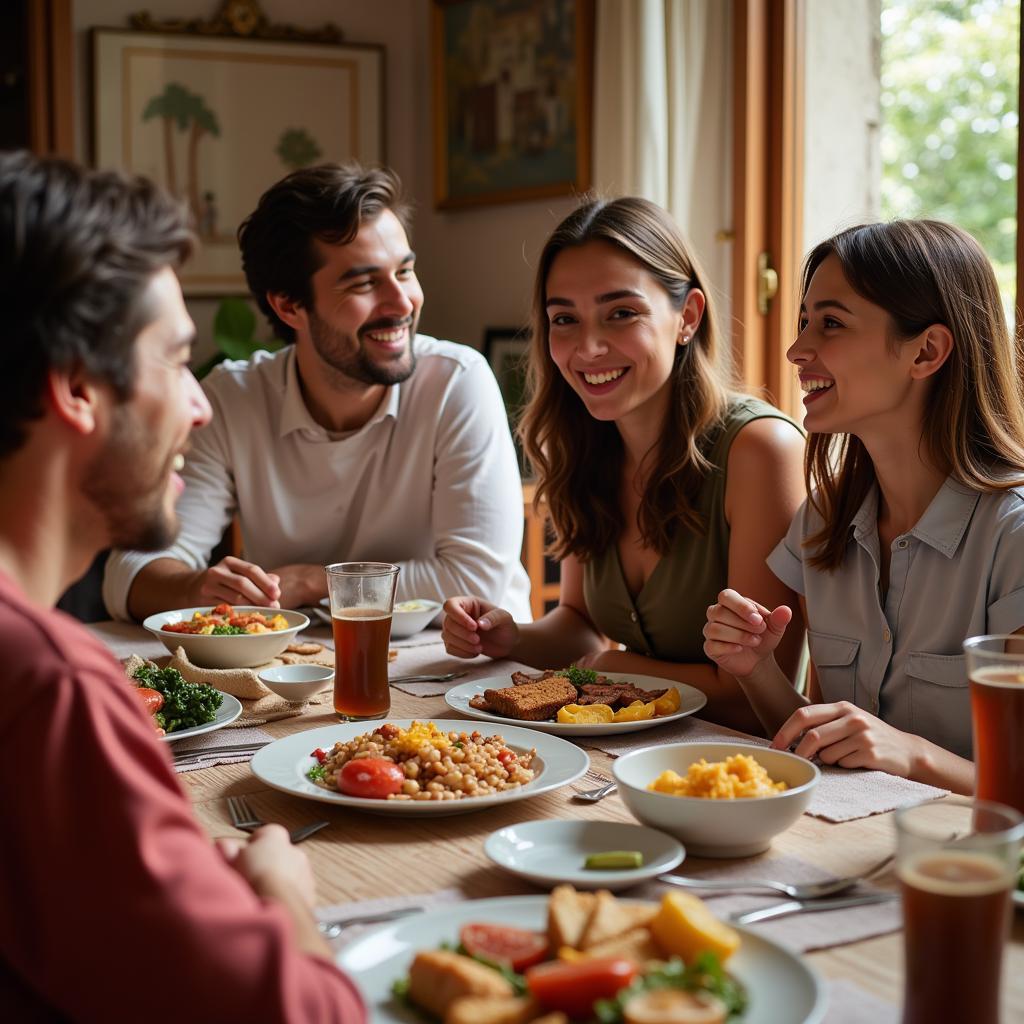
(913, 537)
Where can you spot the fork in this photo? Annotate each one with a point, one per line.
(446, 678)
(243, 817)
(591, 796)
(801, 891)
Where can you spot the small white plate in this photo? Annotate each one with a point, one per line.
(283, 765)
(552, 852)
(228, 711)
(691, 701)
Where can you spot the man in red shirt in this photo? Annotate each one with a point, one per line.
(115, 906)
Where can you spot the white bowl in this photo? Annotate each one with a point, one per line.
(407, 623)
(715, 828)
(297, 683)
(242, 651)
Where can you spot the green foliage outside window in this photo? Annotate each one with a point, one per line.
(949, 119)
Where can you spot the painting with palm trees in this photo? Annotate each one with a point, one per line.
(216, 121)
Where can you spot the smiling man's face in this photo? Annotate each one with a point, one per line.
(133, 479)
(366, 304)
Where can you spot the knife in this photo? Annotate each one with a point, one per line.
(788, 907)
(199, 755)
(332, 929)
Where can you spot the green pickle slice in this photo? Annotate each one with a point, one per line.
(614, 860)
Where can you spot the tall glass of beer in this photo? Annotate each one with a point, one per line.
(995, 668)
(362, 599)
(957, 862)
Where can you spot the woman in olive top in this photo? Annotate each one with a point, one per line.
(663, 485)
(913, 537)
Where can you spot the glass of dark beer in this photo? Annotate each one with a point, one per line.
(995, 668)
(957, 861)
(362, 599)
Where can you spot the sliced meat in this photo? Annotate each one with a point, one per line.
(521, 678)
(480, 702)
(615, 695)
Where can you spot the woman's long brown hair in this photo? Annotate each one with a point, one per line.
(578, 459)
(924, 273)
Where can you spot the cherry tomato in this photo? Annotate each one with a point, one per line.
(573, 988)
(152, 700)
(373, 778)
(513, 947)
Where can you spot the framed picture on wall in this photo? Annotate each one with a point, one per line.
(505, 349)
(219, 120)
(512, 99)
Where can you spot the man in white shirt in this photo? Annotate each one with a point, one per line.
(359, 440)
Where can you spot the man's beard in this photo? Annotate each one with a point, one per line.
(348, 355)
(125, 486)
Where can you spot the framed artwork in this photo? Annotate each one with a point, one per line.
(505, 349)
(218, 120)
(512, 99)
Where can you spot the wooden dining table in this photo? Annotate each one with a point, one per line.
(363, 856)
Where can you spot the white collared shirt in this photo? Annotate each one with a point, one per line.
(958, 573)
(430, 482)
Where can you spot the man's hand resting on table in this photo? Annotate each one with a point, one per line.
(239, 582)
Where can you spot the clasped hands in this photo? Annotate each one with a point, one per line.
(741, 636)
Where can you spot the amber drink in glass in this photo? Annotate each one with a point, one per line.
(995, 667)
(362, 599)
(957, 861)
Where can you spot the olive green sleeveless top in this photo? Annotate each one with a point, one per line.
(665, 620)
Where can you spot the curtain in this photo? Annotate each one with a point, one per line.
(663, 117)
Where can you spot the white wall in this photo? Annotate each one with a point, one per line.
(475, 265)
(842, 169)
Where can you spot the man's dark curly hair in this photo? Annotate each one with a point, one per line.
(329, 202)
(77, 250)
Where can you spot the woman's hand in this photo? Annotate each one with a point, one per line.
(850, 737)
(472, 626)
(740, 634)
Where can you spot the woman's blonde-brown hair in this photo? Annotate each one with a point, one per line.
(923, 273)
(578, 459)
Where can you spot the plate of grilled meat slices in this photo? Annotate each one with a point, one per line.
(576, 702)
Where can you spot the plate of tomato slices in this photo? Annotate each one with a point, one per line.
(778, 985)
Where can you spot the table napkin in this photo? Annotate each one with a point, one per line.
(208, 743)
(431, 658)
(843, 794)
(848, 1003)
(799, 932)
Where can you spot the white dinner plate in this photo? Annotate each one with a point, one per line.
(552, 852)
(691, 701)
(284, 763)
(228, 711)
(781, 987)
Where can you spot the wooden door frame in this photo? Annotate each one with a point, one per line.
(51, 72)
(768, 136)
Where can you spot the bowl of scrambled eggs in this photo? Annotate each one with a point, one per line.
(720, 799)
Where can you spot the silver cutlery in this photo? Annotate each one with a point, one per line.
(332, 929)
(446, 678)
(788, 907)
(606, 785)
(243, 817)
(186, 756)
(797, 891)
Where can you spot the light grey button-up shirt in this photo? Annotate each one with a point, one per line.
(958, 573)
(430, 482)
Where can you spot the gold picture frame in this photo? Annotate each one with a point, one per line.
(512, 99)
(217, 120)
